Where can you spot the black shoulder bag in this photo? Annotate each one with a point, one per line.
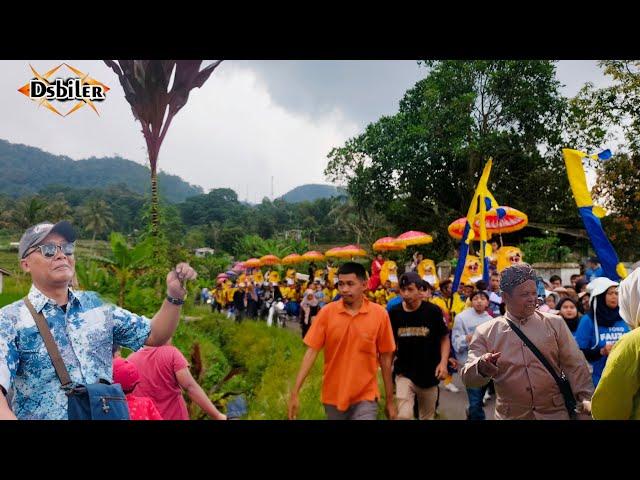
(561, 380)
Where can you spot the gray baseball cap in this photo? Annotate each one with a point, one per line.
(37, 233)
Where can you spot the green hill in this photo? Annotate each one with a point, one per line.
(27, 170)
(311, 192)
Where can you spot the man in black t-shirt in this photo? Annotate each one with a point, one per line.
(422, 352)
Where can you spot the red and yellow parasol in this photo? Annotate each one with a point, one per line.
(269, 260)
(504, 220)
(387, 244)
(414, 237)
(456, 229)
(348, 251)
(313, 256)
(292, 259)
(253, 263)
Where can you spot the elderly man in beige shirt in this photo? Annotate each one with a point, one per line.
(525, 389)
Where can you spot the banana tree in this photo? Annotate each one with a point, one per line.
(125, 262)
(154, 102)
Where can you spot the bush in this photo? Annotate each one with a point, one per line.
(546, 249)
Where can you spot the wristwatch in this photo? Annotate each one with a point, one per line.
(175, 301)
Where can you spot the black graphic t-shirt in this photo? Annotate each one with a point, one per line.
(418, 335)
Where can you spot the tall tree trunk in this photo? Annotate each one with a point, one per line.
(154, 204)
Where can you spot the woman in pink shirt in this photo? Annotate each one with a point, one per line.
(164, 373)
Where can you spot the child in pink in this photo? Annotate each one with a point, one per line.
(126, 374)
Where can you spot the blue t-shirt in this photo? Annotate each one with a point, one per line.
(393, 302)
(593, 273)
(585, 336)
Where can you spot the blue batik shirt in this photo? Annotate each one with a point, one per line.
(84, 334)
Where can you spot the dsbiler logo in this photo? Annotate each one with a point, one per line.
(79, 88)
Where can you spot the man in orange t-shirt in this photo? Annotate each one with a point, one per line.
(356, 336)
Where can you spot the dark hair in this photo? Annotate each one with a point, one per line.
(495, 274)
(564, 300)
(580, 284)
(444, 283)
(479, 292)
(481, 285)
(554, 278)
(503, 308)
(575, 275)
(348, 268)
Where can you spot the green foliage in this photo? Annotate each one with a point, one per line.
(126, 262)
(96, 217)
(546, 249)
(420, 166)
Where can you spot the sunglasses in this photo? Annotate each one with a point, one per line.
(49, 250)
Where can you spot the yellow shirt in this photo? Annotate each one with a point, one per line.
(230, 293)
(219, 296)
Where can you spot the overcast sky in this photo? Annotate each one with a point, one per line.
(250, 121)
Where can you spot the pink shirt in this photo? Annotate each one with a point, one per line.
(157, 367)
(142, 408)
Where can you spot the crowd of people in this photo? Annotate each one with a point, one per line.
(273, 302)
(543, 346)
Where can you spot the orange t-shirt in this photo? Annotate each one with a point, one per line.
(351, 347)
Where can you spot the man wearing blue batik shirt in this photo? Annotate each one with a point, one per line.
(83, 327)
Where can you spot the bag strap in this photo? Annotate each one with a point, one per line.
(50, 344)
(536, 352)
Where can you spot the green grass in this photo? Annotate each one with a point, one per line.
(270, 359)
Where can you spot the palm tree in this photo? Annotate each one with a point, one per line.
(96, 217)
(146, 88)
(57, 208)
(27, 212)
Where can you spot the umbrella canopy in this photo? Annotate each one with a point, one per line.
(231, 273)
(387, 244)
(504, 220)
(222, 275)
(253, 263)
(292, 259)
(238, 267)
(413, 237)
(269, 260)
(332, 252)
(456, 229)
(346, 252)
(313, 255)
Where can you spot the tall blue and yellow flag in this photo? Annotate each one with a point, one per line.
(591, 214)
(481, 202)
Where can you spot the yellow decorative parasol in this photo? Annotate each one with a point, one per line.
(292, 259)
(456, 229)
(414, 237)
(313, 256)
(348, 251)
(253, 263)
(269, 260)
(387, 244)
(504, 220)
